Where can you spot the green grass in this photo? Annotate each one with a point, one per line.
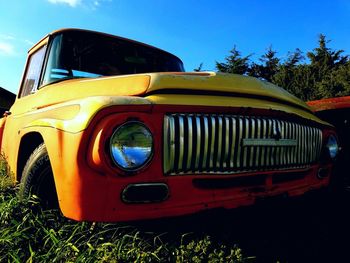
(5, 180)
(28, 234)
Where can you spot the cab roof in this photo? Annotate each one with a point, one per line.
(64, 30)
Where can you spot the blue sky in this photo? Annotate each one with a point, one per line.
(196, 31)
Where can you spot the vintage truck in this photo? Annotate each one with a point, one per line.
(110, 129)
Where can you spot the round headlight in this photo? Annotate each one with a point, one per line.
(332, 146)
(131, 146)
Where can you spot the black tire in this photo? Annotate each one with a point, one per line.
(37, 178)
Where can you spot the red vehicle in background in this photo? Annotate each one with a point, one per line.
(337, 112)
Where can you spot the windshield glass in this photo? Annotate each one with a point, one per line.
(80, 54)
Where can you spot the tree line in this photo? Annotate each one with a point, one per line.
(323, 73)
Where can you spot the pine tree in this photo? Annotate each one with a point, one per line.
(290, 74)
(324, 62)
(268, 67)
(235, 63)
(326, 74)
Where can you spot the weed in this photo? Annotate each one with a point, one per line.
(5, 179)
(30, 234)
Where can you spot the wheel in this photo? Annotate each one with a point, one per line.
(37, 178)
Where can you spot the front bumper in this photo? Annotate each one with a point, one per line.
(101, 199)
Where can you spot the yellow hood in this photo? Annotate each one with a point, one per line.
(145, 85)
(211, 83)
(61, 104)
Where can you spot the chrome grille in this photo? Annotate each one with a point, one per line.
(220, 144)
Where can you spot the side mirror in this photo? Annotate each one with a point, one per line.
(2, 111)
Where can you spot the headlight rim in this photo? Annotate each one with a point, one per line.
(330, 144)
(146, 162)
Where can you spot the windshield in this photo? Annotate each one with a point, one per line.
(80, 54)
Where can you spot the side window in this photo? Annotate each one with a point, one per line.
(32, 76)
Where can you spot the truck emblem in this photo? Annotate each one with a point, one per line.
(269, 142)
(275, 140)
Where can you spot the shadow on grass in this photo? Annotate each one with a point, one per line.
(312, 228)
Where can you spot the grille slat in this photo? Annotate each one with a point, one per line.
(227, 143)
(258, 149)
(190, 136)
(269, 149)
(233, 140)
(220, 144)
(181, 143)
(295, 149)
(238, 142)
(198, 149)
(299, 138)
(246, 135)
(252, 134)
(206, 144)
(264, 149)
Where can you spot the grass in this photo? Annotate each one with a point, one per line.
(311, 228)
(5, 180)
(29, 234)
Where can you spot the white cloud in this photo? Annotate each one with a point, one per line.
(72, 3)
(7, 37)
(90, 4)
(94, 4)
(30, 43)
(6, 49)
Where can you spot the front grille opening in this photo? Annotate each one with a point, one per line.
(145, 193)
(214, 144)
